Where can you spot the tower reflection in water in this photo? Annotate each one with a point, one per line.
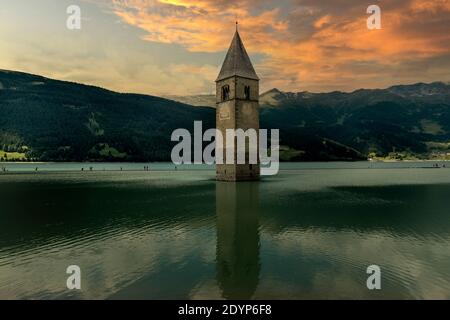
(237, 255)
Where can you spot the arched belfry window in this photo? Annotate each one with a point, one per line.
(247, 92)
(226, 93)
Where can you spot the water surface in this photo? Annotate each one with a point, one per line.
(309, 232)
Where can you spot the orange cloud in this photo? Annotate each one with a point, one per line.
(314, 45)
(198, 25)
(322, 21)
(433, 6)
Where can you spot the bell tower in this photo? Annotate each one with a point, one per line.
(237, 101)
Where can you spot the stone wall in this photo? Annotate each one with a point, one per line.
(238, 113)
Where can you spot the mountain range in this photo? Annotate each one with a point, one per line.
(50, 120)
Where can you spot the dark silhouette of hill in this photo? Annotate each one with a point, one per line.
(52, 120)
(412, 120)
(65, 121)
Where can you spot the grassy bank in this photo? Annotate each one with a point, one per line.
(12, 156)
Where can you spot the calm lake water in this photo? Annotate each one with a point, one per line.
(310, 232)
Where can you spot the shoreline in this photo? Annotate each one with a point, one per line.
(420, 160)
(168, 162)
(35, 169)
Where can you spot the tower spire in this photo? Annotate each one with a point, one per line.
(237, 98)
(237, 61)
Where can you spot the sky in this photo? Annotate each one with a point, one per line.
(176, 47)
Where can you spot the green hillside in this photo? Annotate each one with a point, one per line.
(48, 120)
(62, 121)
(399, 122)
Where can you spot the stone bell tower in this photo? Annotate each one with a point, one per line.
(237, 99)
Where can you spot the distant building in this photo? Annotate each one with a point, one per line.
(237, 98)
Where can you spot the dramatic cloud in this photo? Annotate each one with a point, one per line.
(175, 47)
(314, 45)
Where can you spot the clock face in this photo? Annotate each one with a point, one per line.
(224, 112)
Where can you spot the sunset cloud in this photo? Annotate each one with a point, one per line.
(314, 45)
(175, 47)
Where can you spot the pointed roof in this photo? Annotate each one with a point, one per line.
(237, 61)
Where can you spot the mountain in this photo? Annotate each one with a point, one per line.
(413, 121)
(406, 121)
(205, 100)
(52, 120)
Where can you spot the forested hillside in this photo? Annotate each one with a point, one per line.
(49, 120)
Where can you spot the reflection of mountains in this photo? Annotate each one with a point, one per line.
(156, 238)
(237, 239)
(397, 208)
(30, 207)
(323, 229)
(128, 238)
(68, 207)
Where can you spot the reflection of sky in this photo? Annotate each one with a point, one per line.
(109, 261)
(331, 265)
(176, 47)
(310, 246)
(296, 264)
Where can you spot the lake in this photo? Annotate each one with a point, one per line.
(308, 233)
